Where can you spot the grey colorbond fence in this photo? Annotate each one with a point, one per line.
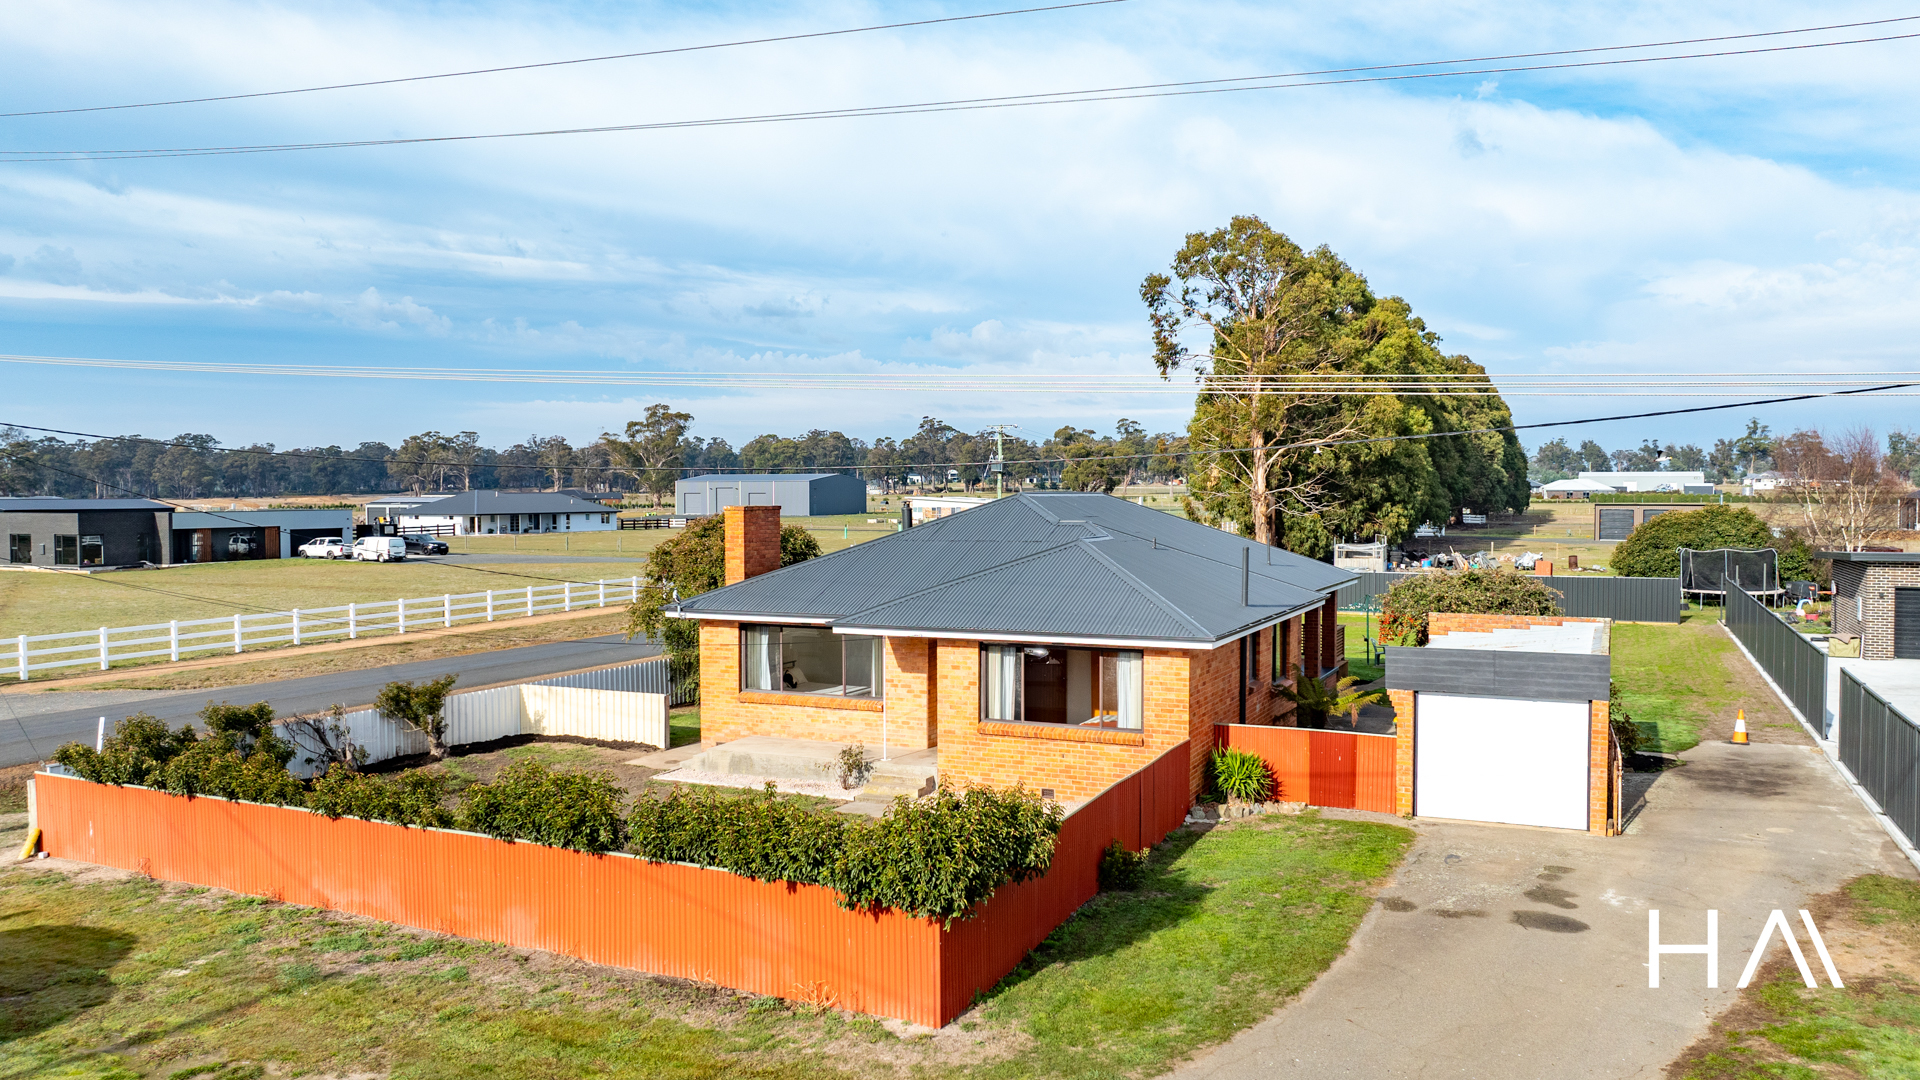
(1623, 599)
(644, 677)
(1880, 746)
(1796, 664)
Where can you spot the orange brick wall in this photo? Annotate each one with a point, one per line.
(1599, 766)
(1076, 763)
(1403, 719)
(753, 541)
(904, 719)
(1212, 698)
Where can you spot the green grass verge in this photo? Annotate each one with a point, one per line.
(1672, 677)
(683, 725)
(1870, 1028)
(1357, 664)
(134, 978)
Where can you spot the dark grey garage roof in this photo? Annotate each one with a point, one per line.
(1062, 565)
(68, 506)
(1870, 556)
(473, 503)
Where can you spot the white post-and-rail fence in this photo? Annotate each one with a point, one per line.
(106, 646)
(627, 703)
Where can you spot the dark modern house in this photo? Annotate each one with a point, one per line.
(85, 532)
(1876, 595)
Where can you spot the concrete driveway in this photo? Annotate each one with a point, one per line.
(1513, 952)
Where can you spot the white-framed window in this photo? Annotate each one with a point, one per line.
(811, 660)
(1054, 684)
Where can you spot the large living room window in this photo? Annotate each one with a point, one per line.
(810, 660)
(1051, 684)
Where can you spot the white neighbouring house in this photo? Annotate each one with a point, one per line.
(1652, 481)
(483, 513)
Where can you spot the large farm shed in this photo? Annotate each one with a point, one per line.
(796, 494)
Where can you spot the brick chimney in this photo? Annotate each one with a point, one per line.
(753, 541)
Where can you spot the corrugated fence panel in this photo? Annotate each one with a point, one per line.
(773, 938)
(1138, 811)
(1344, 769)
(1623, 599)
(1795, 663)
(484, 715)
(652, 676)
(613, 715)
(1880, 746)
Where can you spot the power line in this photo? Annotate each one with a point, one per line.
(1126, 93)
(1438, 384)
(568, 63)
(1059, 459)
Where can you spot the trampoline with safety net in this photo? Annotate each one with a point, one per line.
(1707, 573)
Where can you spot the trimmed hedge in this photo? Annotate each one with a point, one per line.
(935, 858)
(412, 798)
(1404, 607)
(528, 801)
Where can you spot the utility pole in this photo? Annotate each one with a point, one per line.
(998, 466)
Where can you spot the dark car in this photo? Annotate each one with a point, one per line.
(424, 545)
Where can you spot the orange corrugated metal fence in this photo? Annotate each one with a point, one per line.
(1345, 769)
(774, 938)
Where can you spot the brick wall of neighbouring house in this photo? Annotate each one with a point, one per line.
(753, 541)
(1212, 698)
(1075, 763)
(902, 719)
(1403, 720)
(1599, 765)
(1871, 585)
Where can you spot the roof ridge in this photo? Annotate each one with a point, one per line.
(1152, 594)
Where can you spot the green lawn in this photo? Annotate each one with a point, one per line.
(1357, 664)
(138, 979)
(1871, 1028)
(1673, 677)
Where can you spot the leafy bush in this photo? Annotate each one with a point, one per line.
(1242, 775)
(1122, 870)
(135, 753)
(528, 801)
(422, 707)
(936, 858)
(1624, 729)
(1653, 548)
(412, 798)
(221, 765)
(851, 766)
(1404, 607)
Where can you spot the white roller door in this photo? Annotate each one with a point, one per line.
(1500, 759)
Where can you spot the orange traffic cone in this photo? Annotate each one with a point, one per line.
(1740, 727)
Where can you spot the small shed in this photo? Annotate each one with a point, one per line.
(1508, 720)
(796, 494)
(1876, 595)
(1361, 557)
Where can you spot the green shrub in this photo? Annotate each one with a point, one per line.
(219, 765)
(1404, 607)
(412, 798)
(1122, 870)
(936, 858)
(135, 753)
(1243, 775)
(1653, 548)
(1624, 729)
(528, 801)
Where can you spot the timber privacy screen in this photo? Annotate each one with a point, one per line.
(691, 922)
(1880, 746)
(1622, 599)
(1794, 663)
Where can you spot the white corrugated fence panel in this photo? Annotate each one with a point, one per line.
(484, 715)
(612, 715)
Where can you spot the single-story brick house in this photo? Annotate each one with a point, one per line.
(1057, 640)
(1876, 596)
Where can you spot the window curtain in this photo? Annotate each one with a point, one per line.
(1132, 686)
(760, 658)
(1002, 682)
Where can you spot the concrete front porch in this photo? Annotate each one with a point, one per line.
(810, 766)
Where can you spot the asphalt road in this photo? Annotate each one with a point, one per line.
(32, 725)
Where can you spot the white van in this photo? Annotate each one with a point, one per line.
(380, 549)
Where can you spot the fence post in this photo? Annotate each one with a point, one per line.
(603, 594)
(296, 626)
(353, 628)
(566, 596)
(236, 633)
(23, 657)
(400, 609)
(446, 609)
(173, 641)
(529, 600)
(489, 605)
(103, 648)
(636, 590)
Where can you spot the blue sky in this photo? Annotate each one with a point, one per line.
(1732, 215)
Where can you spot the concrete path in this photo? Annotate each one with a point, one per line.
(32, 725)
(1512, 952)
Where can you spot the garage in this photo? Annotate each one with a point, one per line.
(1509, 721)
(1537, 749)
